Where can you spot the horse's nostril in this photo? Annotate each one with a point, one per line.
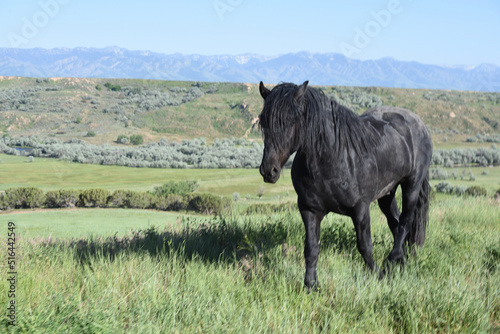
(274, 172)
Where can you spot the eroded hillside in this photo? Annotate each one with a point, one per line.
(102, 109)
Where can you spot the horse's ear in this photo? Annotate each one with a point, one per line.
(299, 93)
(264, 92)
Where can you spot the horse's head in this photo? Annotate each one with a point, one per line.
(281, 122)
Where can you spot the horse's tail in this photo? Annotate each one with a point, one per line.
(419, 224)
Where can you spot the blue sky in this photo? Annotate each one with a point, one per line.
(440, 32)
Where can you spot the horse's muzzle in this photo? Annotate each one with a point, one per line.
(271, 175)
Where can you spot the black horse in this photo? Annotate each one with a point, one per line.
(344, 162)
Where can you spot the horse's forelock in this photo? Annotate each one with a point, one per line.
(280, 112)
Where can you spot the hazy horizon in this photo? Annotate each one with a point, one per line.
(445, 33)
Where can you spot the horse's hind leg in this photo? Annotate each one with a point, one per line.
(390, 209)
(410, 194)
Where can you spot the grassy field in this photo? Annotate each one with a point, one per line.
(51, 174)
(138, 271)
(244, 275)
(78, 223)
(131, 271)
(486, 177)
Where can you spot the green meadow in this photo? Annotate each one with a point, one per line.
(131, 271)
(79, 223)
(51, 174)
(243, 274)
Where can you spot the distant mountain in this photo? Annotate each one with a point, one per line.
(320, 69)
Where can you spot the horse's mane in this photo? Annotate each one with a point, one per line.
(327, 127)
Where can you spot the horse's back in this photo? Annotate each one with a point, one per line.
(408, 126)
(404, 121)
(399, 118)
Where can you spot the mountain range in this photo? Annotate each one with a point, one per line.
(319, 69)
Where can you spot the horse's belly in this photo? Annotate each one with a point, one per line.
(386, 190)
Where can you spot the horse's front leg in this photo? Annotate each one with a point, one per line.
(312, 222)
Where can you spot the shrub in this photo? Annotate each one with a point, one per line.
(181, 188)
(170, 202)
(447, 188)
(90, 134)
(62, 198)
(208, 204)
(476, 191)
(139, 200)
(459, 190)
(122, 139)
(114, 88)
(438, 174)
(22, 198)
(96, 198)
(136, 139)
(226, 153)
(131, 199)
(118, 199)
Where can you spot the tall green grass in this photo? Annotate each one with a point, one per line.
(244, 275)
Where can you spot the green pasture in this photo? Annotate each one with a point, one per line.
(124, 270)
(244, 275)
(80, 223)
(51, 174)
(486, 177)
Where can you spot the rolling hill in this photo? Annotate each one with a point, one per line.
(73, 107)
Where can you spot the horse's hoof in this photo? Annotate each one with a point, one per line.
(314, 288)
(311, 287)
(396, 257)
